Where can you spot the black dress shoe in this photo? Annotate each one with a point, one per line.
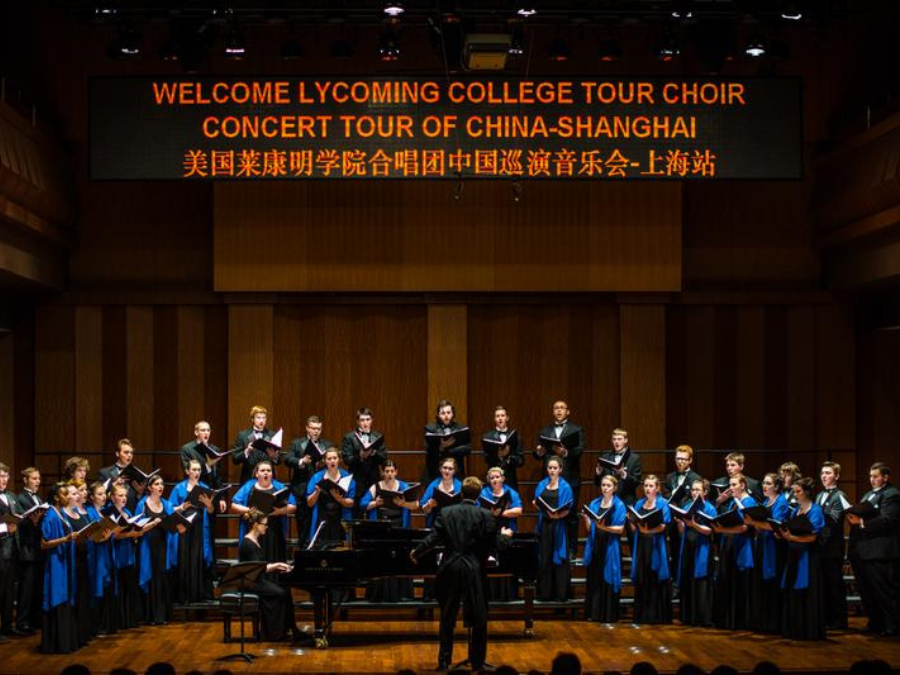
(16, 631)
(890, 632)
(25, 629)
(870, 630)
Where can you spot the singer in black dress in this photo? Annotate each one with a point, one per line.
(275, 602)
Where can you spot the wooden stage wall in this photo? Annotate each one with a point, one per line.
(715, 375)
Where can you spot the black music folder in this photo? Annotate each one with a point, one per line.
(268, 501)
(410, 494)
(176, 518)
(267, 444)
(495, 503)
(443, 499)
(546, 508)
(649, 520)
(598, 518)
(689, 511)
(568, 441)
(342, 485)
(134, 474)
(198, 491)
(496, 442)
(758, 513)
(460, 436)
(211, 452)
(732, 518)
(617, 461)
(864, 510)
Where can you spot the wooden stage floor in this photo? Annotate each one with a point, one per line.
(387, 646)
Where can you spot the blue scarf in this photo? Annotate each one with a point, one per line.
(565, 500)
(659, 560)
(612, 562)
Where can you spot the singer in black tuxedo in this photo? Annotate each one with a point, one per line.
(437, 449)
(507, 456)
(30, 597)
(248, 457)
(112, 473)
(363, 453)
(569, 448)
(209, 467)
(305, 457)
(832, 546)
(630, 473)
(469, 535)
(875, 553)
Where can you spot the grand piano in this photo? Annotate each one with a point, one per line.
(378, 549)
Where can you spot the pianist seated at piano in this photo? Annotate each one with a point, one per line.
(330, 494)
(381, 502)
(272, 498)
(505, 505)
(276, 606)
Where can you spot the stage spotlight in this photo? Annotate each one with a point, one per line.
(682, 9)
(609, 50)
(526, 11)
(389, 46)
(558, 50)
(393, 9)
(126, 45)
(291, 49)
(235, 47)
(756, 46)
(667, 47)
(517, 42)
(791, 12)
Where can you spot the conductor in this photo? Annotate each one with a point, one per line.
(468, 535)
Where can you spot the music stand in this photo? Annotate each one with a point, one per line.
(240, 577)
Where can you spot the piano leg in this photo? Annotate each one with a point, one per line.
(321, 616)
(528, 597)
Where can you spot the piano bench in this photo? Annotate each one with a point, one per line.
(230, 608)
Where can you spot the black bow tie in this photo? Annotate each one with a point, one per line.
(560, 426)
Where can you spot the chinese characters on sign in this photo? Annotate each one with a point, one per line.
(268, 128)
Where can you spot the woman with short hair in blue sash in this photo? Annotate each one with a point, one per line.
(101, 568)
(603, 554)
(768, 561)
(556, 494)
(193, 575)
(330, 507)
(695, 562)
(59, 632)
(731, 589)
(508, 509)
(803, 608)
(447, 483)
(273, 542)
(158, 555)
(650, 559)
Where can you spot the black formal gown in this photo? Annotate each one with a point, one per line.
(276, 607)
(803, 611)
(158, 598)
(390, 589)
(695, 595)
(601, 600)
(192, 581)
(553, 580)
(731, 588)
(765, 594)
(83, 595)
(652, 597)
